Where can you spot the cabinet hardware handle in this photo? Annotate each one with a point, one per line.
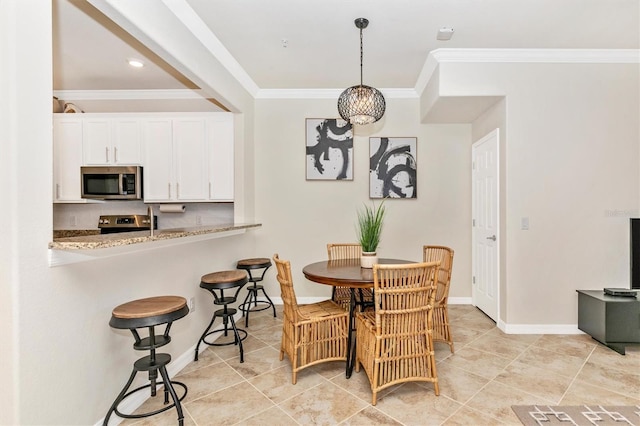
(57, 191)
(177, 191)
(169, 184)
(492, 238)
(209, 190)
(106, 151)
(115, 154)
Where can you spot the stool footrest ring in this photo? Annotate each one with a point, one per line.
(150, 413)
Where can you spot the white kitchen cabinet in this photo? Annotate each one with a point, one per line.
(189, 158)
(67, 159)
(221, 158)
(112, 141)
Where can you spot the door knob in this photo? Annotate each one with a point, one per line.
(493, 238)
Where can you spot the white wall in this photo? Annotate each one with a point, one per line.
(61, 362)
(572, 168)
(300, 217)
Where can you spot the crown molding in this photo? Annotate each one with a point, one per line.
(564, 56)
(102, 95)
(328, 93)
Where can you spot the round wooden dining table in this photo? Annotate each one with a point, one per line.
(346, 273)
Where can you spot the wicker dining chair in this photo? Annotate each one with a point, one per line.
(342, 295)
(441, 326)
(394, 342)
(313, 333)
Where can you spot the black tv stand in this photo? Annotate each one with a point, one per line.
(613, 321)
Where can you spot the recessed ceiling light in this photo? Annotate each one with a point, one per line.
(135, 63)
(445, 33)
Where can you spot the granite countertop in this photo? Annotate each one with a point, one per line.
(88, 239)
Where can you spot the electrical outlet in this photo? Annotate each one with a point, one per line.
(198, 220)
(192, 304)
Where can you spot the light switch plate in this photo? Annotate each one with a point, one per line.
(524, 224)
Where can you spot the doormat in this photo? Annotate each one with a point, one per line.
(588, 415)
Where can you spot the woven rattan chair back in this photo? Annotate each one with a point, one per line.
(395, 341)
(312, 333)
(342, 295)
(441, 326)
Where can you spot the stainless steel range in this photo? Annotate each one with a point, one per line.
(110, 224)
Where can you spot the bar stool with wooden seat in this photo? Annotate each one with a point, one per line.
(250, 265)
(148, 313)
(219, 282)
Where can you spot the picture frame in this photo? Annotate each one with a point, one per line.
(393, 167)
(329, 149)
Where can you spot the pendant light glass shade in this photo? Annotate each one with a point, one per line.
(361, 104)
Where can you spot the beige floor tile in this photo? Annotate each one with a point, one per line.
(325, 404)
(478, 362)
(249, 344)
(206, 357)
(457, 311)
(463, 336)
(269, 335)
(623, 382)
(228, 406)
(465, 416)
(272, 416)
(168, 418)
(358, 384)
(576, 345)
(565, 365)
(534, 380)
(261, 319)
(496, 400)
(580, 393)
(370, 416)
(277, 386)
(475, 321)
(411, 404)
(206, 380)
(257, 362)
(330, 369)
(611, 359)
(458, 384)
(503, 347)
(527, 339)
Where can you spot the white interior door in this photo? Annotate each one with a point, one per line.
(485, 225)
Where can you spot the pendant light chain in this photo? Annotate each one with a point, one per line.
(361, 56)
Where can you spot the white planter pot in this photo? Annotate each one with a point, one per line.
(368, 259)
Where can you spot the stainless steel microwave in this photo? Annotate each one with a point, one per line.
(111, 182)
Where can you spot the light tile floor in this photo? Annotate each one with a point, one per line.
(489, 372)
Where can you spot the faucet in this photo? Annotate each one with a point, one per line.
(151, 219)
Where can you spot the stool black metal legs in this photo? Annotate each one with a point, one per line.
(226, 314)
(149, 313)
(250, 265)
(218, 282)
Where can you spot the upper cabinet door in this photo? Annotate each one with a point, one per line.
(190, 158)
(221, 158)
(158, 167)
(67, 159)
(112, 141)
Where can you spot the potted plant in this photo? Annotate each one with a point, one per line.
(369, 230)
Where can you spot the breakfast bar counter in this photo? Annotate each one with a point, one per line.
(86, 247)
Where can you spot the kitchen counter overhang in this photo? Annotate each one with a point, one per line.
(77, 249)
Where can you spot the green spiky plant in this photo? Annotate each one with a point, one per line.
(370, 226)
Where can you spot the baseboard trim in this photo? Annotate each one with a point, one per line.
(539, 328)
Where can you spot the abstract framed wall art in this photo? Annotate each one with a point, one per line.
(392, 168)
(329, 149)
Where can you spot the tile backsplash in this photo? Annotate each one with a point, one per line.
(85, 216)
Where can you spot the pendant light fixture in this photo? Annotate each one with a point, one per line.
(361, 104)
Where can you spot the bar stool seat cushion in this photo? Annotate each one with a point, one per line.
(148, 312)
(253, 263)
(223, 279)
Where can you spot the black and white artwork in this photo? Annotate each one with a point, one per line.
(329, 149)
(392, 168)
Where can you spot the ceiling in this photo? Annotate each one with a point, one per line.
(314, 44)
